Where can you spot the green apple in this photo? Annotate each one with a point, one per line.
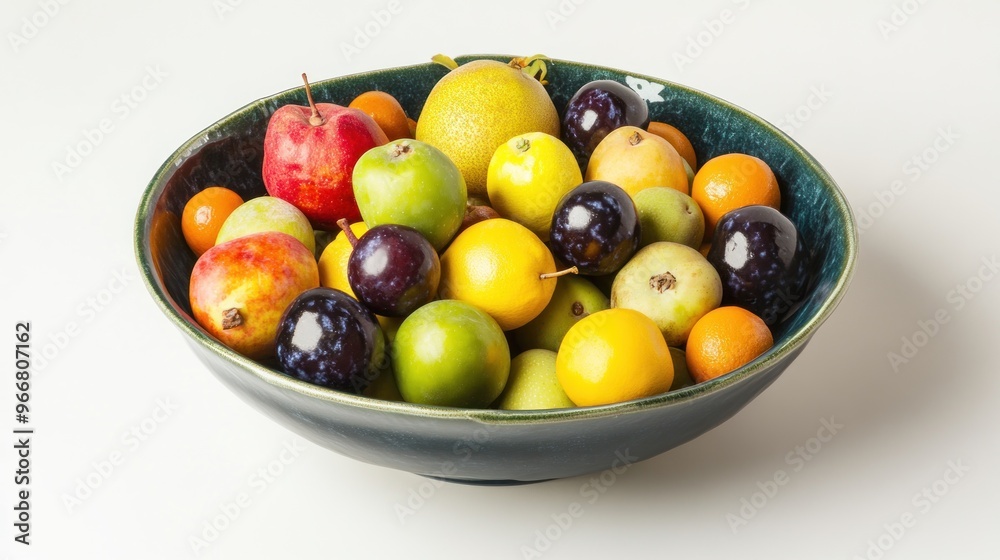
(449, 353)
(533, 384)
(267, 213)
(573, 299)
(669, 215)
(410, 183)
(528, 176)
(673, 284)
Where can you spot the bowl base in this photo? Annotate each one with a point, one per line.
(473, 482)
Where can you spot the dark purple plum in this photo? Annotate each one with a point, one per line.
(596, 109)
(394, 270)
(327, 338)
(595, 227)
(762, 260)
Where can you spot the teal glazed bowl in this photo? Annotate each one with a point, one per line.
(494, 446)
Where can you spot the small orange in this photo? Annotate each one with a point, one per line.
(723, 340)
(386, 111)
(676, 139)
(732, 181)
(204, 215)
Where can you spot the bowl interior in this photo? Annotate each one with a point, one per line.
(229, 153)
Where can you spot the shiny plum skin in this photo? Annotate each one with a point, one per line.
(762, 260)
(595, 227)
(327, 338)
(394, 270)
(596, 109)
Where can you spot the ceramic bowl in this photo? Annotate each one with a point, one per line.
(494, 446)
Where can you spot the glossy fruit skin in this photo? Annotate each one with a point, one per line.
(595, 110)
(596, 228)
(326, 337)
(762, 260)
(311, 166)
(450, 353)
(394, 270)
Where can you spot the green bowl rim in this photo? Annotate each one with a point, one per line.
(488, 416)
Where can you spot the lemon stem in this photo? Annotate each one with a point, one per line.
(533, 66)
(315, 119)
(346, 228)
(547, 275)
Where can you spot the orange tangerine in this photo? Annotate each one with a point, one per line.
(386, 111)
(204, 215)
(724, 340)
(677, 139)
(732, 181)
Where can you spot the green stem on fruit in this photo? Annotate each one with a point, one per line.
(445, 60)
(523, 145)
(533, 66)
(315, 119)
(344, 225)
(547, 275)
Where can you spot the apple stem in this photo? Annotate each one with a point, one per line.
(570, 270)
(346, 227)
(315, 119)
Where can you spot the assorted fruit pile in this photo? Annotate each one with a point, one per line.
(494, 252)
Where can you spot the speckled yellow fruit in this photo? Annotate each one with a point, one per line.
(478, 106)
(635, 160)
(333, 261)
(497, 266)
(612, 356)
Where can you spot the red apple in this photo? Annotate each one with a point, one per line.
(309, 156)
(239, 289)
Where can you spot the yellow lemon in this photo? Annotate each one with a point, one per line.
(502, 268)
(333, 261)
(612, 356)
(528, 176)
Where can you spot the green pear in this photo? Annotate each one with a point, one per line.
(573, 299)
(667, 214)
(533, 384)
(673, 284)
(682, 376)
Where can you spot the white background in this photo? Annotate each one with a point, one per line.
(887, 94)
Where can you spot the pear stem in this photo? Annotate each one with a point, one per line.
(346, 227)
(547, 275)
(315, 119)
